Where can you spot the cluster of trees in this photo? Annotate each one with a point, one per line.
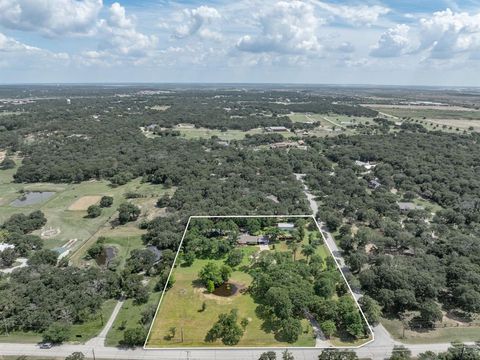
(212, 275)
(288, 289)
(16, 231)
(405, 260)
(226, 329)
(61, 297)
(457, 351)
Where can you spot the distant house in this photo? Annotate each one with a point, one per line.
(276, 128)
(151, 127)
(374, 184)
(286, 226)
(247, 239)
(6, 246)
(156, 252)
(408, 206)
(366, 165)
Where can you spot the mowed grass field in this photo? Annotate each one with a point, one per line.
(438, 335)
(181, 308)
(74, 224)
(429, 113)
(203, 133)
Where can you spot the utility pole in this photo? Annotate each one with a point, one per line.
(93, 353)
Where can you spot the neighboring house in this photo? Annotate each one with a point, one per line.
(156, 252)
(247, 239)
(366, 165)
(276, 128)
(286, 226)
(408, 206)
(374, 184)
(151, 127)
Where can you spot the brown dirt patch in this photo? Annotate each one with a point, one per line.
(84, 202)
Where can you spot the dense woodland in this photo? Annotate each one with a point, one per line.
(405, 261)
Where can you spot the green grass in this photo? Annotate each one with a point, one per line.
(20, 337)
(80, 333)
(124, 245)
(130, 315)
(73, 224)
(181, 308)
(431, 113)
(181, 304)
(439, 335)
(196, 133)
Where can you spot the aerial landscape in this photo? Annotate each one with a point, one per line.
(252, 180)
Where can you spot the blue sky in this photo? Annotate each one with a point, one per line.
(407, 42)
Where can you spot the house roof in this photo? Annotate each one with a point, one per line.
(250, 239)
(409, 206)
(286, 225)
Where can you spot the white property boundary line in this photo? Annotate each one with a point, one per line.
(256, 347)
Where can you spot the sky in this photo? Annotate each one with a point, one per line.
(378, 42)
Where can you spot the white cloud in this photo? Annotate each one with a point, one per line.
(287, 28)
(355, 15)
(395, 41)
(194, 21)
(16, 54)
(50, 17)
(446, 33)
(120, 36)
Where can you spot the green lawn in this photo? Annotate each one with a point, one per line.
(80, 333)
(439, 335)
(418, 113)
(130, 315)
(195, 133)
(181, 306)
(74, 224)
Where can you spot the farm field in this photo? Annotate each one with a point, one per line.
(191, 310)
(429, 113)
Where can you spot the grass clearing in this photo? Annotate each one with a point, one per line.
(429, 113)
(80, 333)
(74, 224)
(130, 315)
(438, 335)
(181, 307)
(204, 133)
(84, 202)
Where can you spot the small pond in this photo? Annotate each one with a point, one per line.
(226, 289)
(32, 198)
(107, 255)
